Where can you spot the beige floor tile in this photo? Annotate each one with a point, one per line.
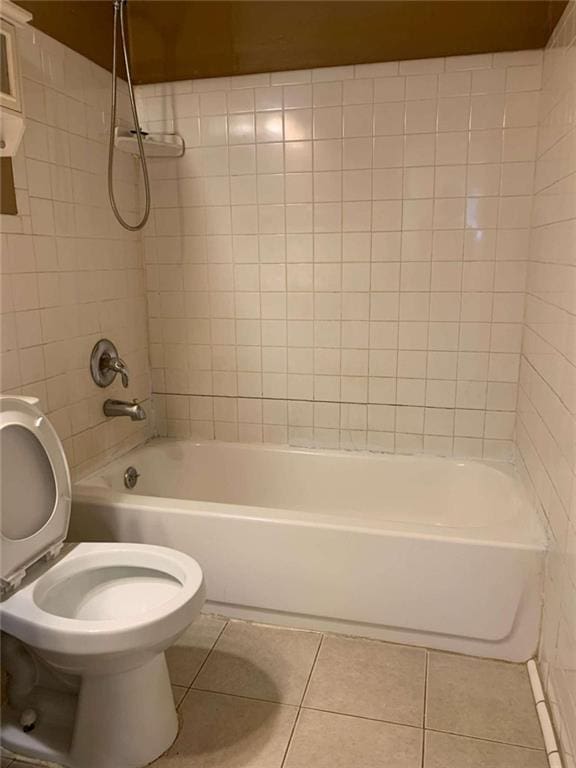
(179, 692)
(220, 731)
(260, 662)
(481, 698)
(443, 750)
(327, 740)
(370, 679)
(187, 656)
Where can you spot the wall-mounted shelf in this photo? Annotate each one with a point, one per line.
(155, 144)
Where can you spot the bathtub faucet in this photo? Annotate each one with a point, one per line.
(122, 408)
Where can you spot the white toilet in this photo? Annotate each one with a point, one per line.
(85, 626)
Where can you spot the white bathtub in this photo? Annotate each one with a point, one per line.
(436, 552)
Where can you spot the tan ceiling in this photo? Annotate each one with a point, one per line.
(84, 25)
(182, 39)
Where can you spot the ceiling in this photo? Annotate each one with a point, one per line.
(178, 40)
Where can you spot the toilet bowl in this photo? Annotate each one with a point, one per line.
(101, 615)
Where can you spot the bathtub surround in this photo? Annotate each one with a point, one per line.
(339, 258)
(546, 426)
(70, 274)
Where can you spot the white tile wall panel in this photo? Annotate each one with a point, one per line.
(69, 273)
(546, 405)
(351, 236)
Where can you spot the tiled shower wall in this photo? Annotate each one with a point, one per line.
(339, 258)
(546, 431)
(69, 273)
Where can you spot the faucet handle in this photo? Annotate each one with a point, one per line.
(105, 364)
(118, 366)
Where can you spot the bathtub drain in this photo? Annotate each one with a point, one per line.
(131, 477)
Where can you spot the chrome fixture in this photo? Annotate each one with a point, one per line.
(122, 408)
(105, 364)
(119, 6)
(131, 477)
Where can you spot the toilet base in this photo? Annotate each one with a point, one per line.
(125, 720)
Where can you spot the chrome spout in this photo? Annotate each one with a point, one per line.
(122, 408)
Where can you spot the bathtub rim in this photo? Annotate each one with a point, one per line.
(505, 466)
(92, 489)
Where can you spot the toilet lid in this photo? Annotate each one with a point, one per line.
(35, 488)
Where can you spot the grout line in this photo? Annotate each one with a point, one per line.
(530, 439)
(312, 668)
(423, 758)
(245, 697)
(365, 717)
(297, 718)
(485, 738)
(184, 688)
(201, 667)
(426, 683)
(307, 400)
(549, 388)
(289, 742)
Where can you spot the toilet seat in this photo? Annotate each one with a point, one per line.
(35, 499)
(116, 575)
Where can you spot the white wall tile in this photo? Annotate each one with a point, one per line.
(78, 275)
(358, 198)
(545, 411)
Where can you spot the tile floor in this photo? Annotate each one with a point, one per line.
(253, 696)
